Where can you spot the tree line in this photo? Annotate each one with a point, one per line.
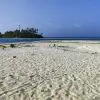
(23, 33)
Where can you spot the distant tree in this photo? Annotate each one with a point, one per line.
(17, 33)
(8, 34)
(42, 34)
(24, 33)
(0, 34)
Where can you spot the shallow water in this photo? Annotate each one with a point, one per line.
(13, 40)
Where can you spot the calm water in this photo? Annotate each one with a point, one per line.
(14, 40)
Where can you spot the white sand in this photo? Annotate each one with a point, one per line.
(39, 71)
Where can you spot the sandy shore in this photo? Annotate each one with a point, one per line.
(56, 70)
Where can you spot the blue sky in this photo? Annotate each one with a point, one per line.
(52, 17)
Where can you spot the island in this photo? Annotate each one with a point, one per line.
(23, 33)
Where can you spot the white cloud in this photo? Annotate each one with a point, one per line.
(77, 25)
(49, 23)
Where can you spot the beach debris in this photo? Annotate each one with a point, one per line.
(1, 83)
(3, 78)
(32, 54)
(27, 45)
(94, 52)
(49, 98)
(11, 76)
(50, 86)
(31, 76)
(14, 56)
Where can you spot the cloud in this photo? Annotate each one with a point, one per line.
(49, 23)
(77, 25)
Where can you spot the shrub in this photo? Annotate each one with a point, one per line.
(54, 45)
(3, 47)
(12, 45)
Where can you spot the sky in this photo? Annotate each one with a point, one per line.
(53, 18)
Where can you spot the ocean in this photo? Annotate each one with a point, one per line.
(14, 40)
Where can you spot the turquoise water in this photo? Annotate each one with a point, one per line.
(14, 40)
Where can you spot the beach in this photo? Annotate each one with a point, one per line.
(52, 70)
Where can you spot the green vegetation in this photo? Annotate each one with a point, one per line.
(12, 45)
(0, 34)
(3, 46)
(23, 33)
